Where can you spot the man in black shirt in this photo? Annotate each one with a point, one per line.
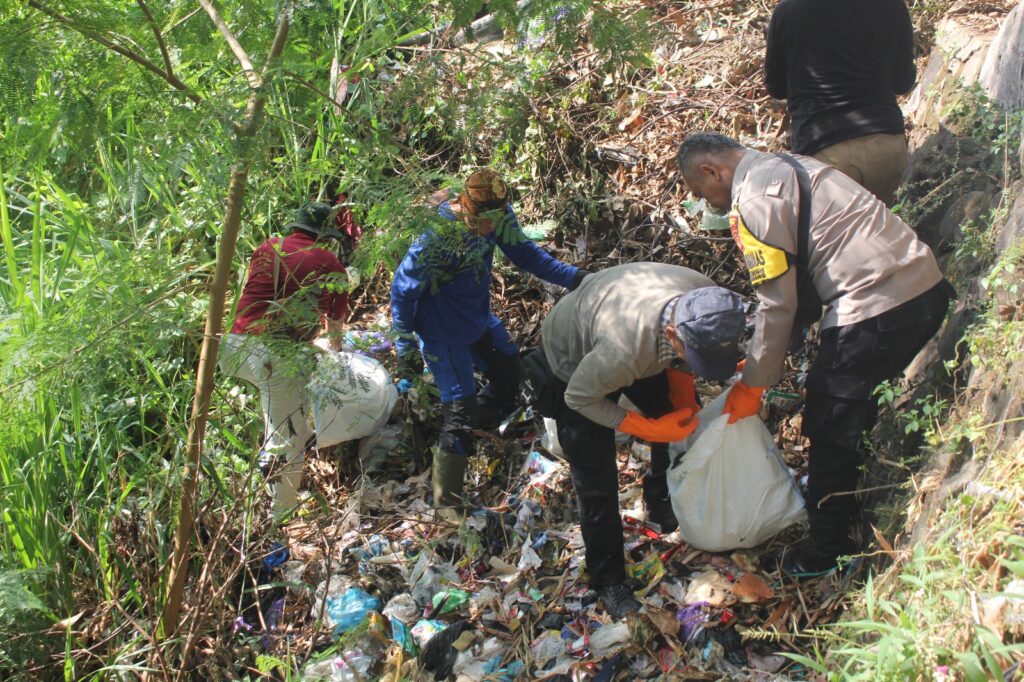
(841, 63)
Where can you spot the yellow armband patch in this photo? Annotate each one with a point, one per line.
(764, 262)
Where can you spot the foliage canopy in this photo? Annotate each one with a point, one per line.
(117, 139)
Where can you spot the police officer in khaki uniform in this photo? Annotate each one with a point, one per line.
(883, 294)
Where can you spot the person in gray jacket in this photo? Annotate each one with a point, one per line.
(643, 330)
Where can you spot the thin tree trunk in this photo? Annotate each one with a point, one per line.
(201, 401)
(211, 337)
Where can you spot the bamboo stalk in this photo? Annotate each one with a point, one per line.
(169, 621)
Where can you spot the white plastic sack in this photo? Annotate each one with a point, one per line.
(732, 488)
(352, 396)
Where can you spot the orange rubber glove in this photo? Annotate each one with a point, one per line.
(680, 389)
(743, 401)
(740, 365)
(668, 429)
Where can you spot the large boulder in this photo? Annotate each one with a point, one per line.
(1002, 74)
(961, 47)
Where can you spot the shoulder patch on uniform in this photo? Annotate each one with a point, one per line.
(764, 262)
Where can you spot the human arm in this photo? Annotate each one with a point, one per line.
(763, 367)
(600, 373)
(681, 391)
(669, 428)
(904, 72)
(766, 228)
(407, 287)
(603, 372)
(527, 256)
(776, 76)
(581, 274)
(346, 224)
(743, 401)
(330, 286)
(773, 323)
(332, 332)
(333, 287)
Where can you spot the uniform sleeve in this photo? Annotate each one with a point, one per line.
(597, 375)
(528, 256)
(773, 323)
(773, 222)
(775, 66)
(407, 287)
(904, 73)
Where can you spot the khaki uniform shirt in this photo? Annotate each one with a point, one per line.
(604, 336)
(862, 258)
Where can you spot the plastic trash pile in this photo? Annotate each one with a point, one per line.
(384, 587)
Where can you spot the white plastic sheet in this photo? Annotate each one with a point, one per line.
(549, 441)
(732, 488)
(352, 396)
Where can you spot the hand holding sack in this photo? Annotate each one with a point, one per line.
(743, 401)
(668, 429)
(731, 489)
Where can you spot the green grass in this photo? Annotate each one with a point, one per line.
(929, 614)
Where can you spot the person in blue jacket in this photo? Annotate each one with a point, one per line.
(440, 293)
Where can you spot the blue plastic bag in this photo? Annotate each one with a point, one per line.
(400, 633)
(349, 610)
(509, 673)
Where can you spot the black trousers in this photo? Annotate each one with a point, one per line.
(591, 452)
(504, 374)
(852, 361)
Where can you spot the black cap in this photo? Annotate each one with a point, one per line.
(710, 322)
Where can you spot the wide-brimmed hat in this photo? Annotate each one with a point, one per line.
(484, 191)
(710, 322)
(317, 219)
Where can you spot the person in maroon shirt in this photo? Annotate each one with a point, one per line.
(294, 292)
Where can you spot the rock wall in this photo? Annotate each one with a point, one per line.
(956, 178)
(950, 178)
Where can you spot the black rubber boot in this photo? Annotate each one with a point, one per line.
(618, 600)
(448, 476)
(828, 540)
(454, 447)
(658, 503)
